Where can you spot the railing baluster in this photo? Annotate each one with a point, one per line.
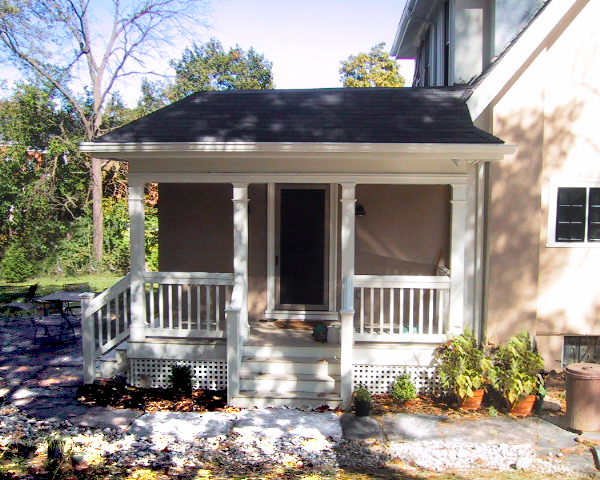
(421, 310)
(372, 311)
(208, 306)
(217, 307)
(402, 292)
(362, 310)
(198, 308)
(411, 312)
(430, 303)
(170, 304)
(189, 307)
(381, 310)
(392, 301)
(161, 306)
(179, 306)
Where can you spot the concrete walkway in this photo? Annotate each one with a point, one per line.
(42, 379)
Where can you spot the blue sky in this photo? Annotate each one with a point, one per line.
(306, 39)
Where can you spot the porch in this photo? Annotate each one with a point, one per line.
(193, 318)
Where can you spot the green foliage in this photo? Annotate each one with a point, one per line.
(516, 369)
(492, 412)
(462, 364)
(362, 394)
(153, 97)
(373, 69)
(15, 267)
(180, 379)
(402, 389)
(209, 67)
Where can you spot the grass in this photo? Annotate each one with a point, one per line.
(98, 282)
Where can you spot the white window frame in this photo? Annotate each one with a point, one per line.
(554, 185)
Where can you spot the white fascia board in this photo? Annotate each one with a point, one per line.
(233, 150)
(517, 56)
(402, 27)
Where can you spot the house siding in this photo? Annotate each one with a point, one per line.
(551, 111)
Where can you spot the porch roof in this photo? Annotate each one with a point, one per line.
(344, 115)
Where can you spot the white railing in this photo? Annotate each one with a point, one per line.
(401, 308)
(181, 304)
(104, 323)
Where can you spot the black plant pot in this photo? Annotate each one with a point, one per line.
(362, 409)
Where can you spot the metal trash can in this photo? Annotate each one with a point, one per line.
(583, 396)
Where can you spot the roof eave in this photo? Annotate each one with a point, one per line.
(460, 151)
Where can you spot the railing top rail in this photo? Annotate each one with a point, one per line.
(401, 281)
(111, 292)
(198, 278)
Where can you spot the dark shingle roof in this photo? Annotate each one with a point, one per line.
(345, 115)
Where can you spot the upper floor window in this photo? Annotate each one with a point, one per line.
(574, 213)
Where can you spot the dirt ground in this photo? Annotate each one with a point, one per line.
(119, 395)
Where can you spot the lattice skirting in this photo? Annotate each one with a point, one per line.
(155, 373)
(378, 378)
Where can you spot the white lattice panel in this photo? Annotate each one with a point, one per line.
(155, 373)
(378, 378)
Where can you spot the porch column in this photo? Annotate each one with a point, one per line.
(240, 247)
(137, 260)
(348, 233)
(457, 259)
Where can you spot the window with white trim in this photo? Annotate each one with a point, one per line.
(574, 213)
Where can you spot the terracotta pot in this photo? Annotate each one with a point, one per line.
(362, 409)
(474, 402)
(524, 407)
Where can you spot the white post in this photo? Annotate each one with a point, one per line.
(347, 311)
(457, 259)
(137, 329)
(240, 247)
(88, 340)
(233, 355)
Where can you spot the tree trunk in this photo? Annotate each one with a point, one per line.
(97, 222)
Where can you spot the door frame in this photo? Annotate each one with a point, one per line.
(330, 312)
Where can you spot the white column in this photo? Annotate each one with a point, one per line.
(137, 240)
(457, 259)
(87, 338)
(347, 270)
(240, 246)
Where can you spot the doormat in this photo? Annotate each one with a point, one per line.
(297, 324)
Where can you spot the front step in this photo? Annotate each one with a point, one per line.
(253, 398)
(291, 376)
(287, 382)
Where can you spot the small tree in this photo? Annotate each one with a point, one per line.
(15, 266)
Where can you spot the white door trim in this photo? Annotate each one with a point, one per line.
(271, 312)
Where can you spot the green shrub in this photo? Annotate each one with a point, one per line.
(15, 265)
(362, 394)
(181, 379)
(402, 389)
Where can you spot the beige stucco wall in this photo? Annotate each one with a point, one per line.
(551, 111)
(405, 231)
(196, 234)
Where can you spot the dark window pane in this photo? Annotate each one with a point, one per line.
(570, 215)
(594, 197)
(594, 215)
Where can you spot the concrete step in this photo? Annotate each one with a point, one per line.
(254, 398)
(318, 350)
(285, 383)
(291, 365)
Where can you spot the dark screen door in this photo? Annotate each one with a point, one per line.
(302, 257)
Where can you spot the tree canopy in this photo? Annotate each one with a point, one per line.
(373, 69)
(210, 67)
(64, 43)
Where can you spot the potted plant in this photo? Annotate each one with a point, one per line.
(516, 373)
(462, 365)
(362, 401)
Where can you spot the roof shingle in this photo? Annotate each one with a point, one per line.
(344, 115)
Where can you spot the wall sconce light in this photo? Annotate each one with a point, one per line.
(359, 210)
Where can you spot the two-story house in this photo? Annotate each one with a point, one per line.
(532, 69)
